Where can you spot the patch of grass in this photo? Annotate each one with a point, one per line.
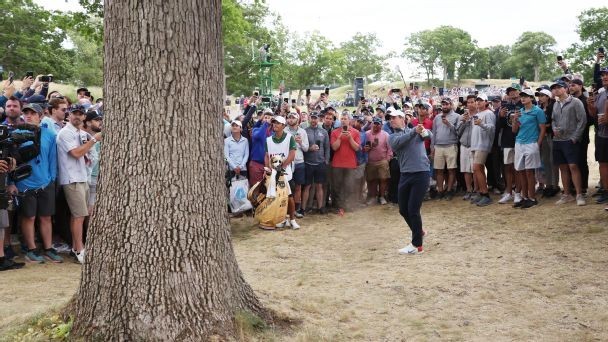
(248, 324)
(595, 230)
(42, 327)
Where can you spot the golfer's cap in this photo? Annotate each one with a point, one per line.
(236, 122)
(293, 114)
(377, 120)
(32, 106)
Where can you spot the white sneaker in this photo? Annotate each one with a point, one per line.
(283, 224)
(580, 200)
(294, 224)
(517, 198)
(506, 198)
(80, 256)
(410, 249)
(383, 201)
(565, 199)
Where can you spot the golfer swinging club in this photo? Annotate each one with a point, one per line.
(408, 145)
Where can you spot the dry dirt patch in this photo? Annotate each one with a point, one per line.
(488, 273)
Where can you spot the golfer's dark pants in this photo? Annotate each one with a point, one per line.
(412, 187)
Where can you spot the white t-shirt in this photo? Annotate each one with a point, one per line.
(281, 149)
(71, 170)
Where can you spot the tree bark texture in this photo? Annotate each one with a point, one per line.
(159, 262)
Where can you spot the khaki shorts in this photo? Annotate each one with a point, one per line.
(445, 155)
(480, 157)
(77, 194)
(509, 155)
(378, 170)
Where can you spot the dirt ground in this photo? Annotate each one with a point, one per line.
(493, 273)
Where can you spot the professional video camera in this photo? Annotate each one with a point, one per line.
(11, 139)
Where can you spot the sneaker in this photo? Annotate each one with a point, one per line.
(372, 201)
(410, 249)
(33, 256)
(517, 197)
(603, 198)
(80, 256)
(449, 195)
(9, 252)
(520, 203)
(506, 198)
(7, 264)
(283, 224)
(475, 197)
(529, 203)
(467, 196)
(565, 199)
(484, 201)
(599, 193)
(299, 213)
(51, 255)
(322, 210)
(580, 200)
(496, 191)
(383, 201)
(61, 247)
(294, 224)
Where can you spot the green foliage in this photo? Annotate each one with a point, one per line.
(88, 61)
(533, 55)
(593, 32)
(44, 327)
(362, 58)
(29, 41)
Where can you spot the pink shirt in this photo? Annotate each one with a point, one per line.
(381, 150)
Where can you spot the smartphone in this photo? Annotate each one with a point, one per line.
(368, 143)
(461, 99)
(293, 102)
(411, 85)
(600, 50)
(256, 93)
(46, 79)
(344, 128)
(286, 100)
(307, 92)
(318, 142)
(266, 99)
(326, 91)
(29, 74)
(415, 87)
(560, 58)
(504, 104)
(395, 90)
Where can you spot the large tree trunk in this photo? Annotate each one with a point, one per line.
(536, 73)
(159, 263)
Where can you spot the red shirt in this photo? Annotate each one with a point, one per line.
(345, 157)
(428, 124)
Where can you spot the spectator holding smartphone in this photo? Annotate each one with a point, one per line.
(482, 138)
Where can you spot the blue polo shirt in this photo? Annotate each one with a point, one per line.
(529, 120)
(44, 166)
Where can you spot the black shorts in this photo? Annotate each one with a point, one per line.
(316, 174)
(292, 187)
(601, 149)
(566, 152)
(299, 174)
(40, 202)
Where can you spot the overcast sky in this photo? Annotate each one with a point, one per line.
(489, 22)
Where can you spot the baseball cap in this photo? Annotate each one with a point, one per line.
(279, 119)
(77, 108)
(509, 89)
(542, 86)
(544, 92)
(294, 114)
(482, 96)
(81, 89)
(425, 105)
(604, 71)
(328, 108)
(558, 83)
(267, 111)
(32, 106)
(408, 104)
(390, 109)
(566, 77)
(314, 114)
(36, 99)
(377, 120)
(93, 115)
(381, 108)
(496, 99)
(446, 100)
(527, 92)
(397, 113)
(359, 118)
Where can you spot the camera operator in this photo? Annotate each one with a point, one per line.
(5, 262)
(71, 150)
(38, 191)
(92, 125)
